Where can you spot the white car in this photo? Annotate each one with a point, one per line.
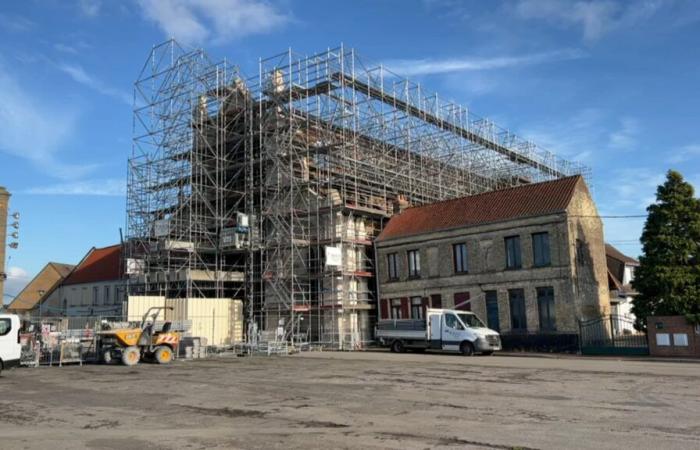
(10, 348)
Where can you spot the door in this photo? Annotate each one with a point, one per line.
(451, 332)
(10, 349)
(492, 311)
(435, 330)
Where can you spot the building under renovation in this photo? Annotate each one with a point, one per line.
(271, 188)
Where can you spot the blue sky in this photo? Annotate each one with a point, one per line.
(613, 84)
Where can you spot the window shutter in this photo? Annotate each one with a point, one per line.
(384, 305)
(405, 308)
(426, 305)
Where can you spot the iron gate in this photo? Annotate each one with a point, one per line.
(612, 335)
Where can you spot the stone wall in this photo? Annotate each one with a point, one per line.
(579, 280)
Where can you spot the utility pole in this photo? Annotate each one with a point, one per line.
(4, 203)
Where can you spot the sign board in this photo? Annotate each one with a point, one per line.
(135, 266)
(334, 257)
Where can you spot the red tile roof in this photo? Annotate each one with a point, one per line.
(100, 264)
(528, 200)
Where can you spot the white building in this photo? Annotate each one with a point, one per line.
(620, 275)
(96, 287)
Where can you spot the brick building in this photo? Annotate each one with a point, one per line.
(529, 260)
(33, 299)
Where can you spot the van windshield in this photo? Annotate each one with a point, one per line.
(471, 320)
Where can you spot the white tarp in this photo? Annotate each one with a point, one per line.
(334, 257)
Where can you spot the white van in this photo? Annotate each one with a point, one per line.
(445, 330)
(10, 348)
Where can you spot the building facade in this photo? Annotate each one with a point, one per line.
(529, 260)
(96, 287)
(620, 275)
(36, 297)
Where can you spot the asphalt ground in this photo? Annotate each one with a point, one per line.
(363, 400)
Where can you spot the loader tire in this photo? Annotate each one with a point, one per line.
(163, 355)
(131, 356)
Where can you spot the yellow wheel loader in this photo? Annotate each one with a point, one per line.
(131, 345)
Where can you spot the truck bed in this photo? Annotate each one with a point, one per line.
(402, 328)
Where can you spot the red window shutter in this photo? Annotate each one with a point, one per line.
(405, 308)
(462, 301)
(426, 305)
(436, 301)
(384, 306)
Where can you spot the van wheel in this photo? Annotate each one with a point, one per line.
(397, 347)
(467, 349)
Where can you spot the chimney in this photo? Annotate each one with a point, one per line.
(4, 203)
(400, 203)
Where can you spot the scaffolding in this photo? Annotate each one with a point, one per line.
(272, 188)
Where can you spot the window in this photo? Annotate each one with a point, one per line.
(95, 295)
(663, 339)
(545, 307)
(492, 310)
(513, 259)
(5, 326)
(459, 258)
(680, 339)
(518, 320)
(413, 264)
(106, 295)
(540, 249)
(416, 307)
(393, 267)
(396, 308)
(451, 321)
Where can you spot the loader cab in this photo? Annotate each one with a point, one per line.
(10, 347)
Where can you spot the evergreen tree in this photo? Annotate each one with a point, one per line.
(668, 277)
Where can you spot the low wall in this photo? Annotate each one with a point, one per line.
(673, 336)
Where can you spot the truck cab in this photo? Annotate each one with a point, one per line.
(460, 331)
(10, 347)
(445, 330)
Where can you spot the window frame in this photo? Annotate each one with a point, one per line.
(460, 259)
(416, 306)
(517, 256)
(413, 257)
(395, 306)
(545, 257)
(546, 294)
(392, 262)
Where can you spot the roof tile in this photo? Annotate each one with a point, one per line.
(527, 200)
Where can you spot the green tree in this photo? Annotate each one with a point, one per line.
(668, 277)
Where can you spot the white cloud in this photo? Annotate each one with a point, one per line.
(17, 278)
(626, 136)
(685, 153)
(415, 67)
(79, 75)
(219, 21)
(111, 187)
(595, 17)
(90, 8)
(36, 130)
(16, 24)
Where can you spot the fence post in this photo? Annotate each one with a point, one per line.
(580, 337)
(612, 330)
